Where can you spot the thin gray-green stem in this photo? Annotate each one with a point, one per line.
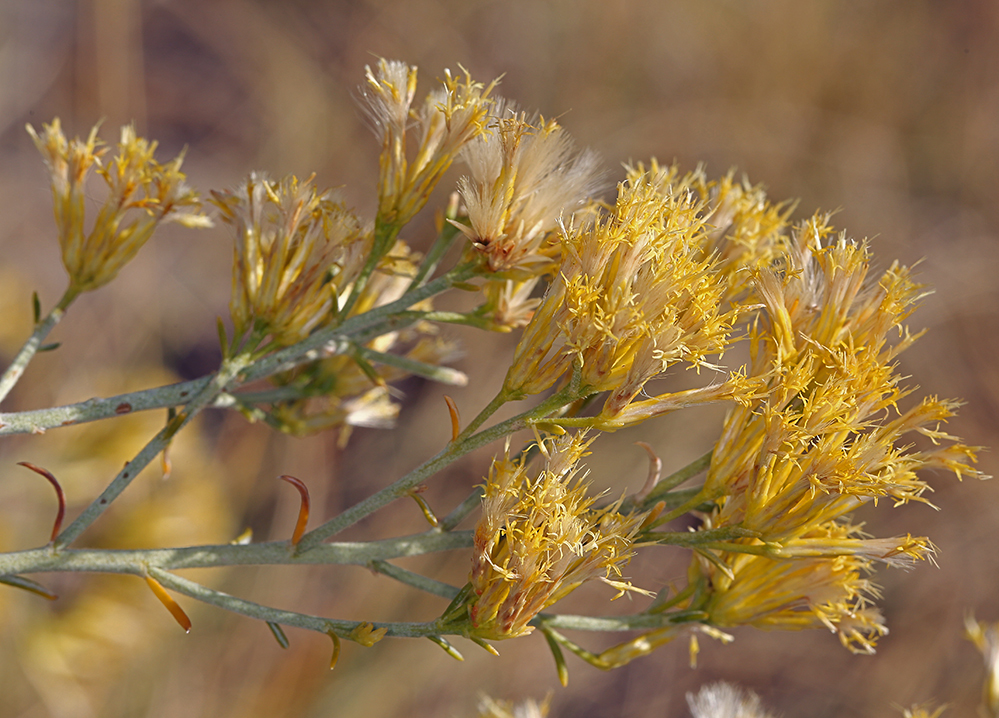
(440, 374)
(699, 498)
(16, 369)
(397, 629)
(39, 420)
(416, 580)
(666, 485)
(466, 442)
(384, 237)
(321, 344)
(226, 374)
(271, 553)
(709, 538)
(637, 621)
(286, 618)
(472, 502)
(445, 238)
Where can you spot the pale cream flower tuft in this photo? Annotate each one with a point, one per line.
(723, 700)
(524, 175)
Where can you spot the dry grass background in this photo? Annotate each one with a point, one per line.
(886, 109)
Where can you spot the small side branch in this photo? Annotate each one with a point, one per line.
(13, 373)
(429, 585)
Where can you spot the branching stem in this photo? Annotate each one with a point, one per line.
(327, 342)
(42, 329)
(230, 369)
(45, 560)
(465, 443)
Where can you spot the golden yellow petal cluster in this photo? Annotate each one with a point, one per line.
(635, 293)
(826, 438)
(141, 194)
(539, 539)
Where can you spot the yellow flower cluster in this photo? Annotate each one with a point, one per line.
(825, 439)
(142, 193)
(636, 292)
(445, 121)
(297, 250)
(671, 273)
(539, 539)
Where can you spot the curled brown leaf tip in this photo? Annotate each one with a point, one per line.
(60, 495)
(303, 512)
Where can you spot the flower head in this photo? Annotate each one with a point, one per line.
(441, 126)
(795, 594)
(142, 193)
(524, 173)
(296, 250)
(827, 436)
(539, 539)
(634, 294)
(746, 232)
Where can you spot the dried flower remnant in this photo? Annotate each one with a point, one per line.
(142, 194)
(296, 250)
(634, 295)
(441, 126)
(491, 708)
(539, 539)
(524, 173)
(723, 700)
(510, 304)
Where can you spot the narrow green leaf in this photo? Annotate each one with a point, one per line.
(487, 646)
(26, 584)
(560, 667)
(448, 648)
(223, 340)
(278, 634)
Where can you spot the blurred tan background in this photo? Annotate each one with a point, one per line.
(887, 110)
